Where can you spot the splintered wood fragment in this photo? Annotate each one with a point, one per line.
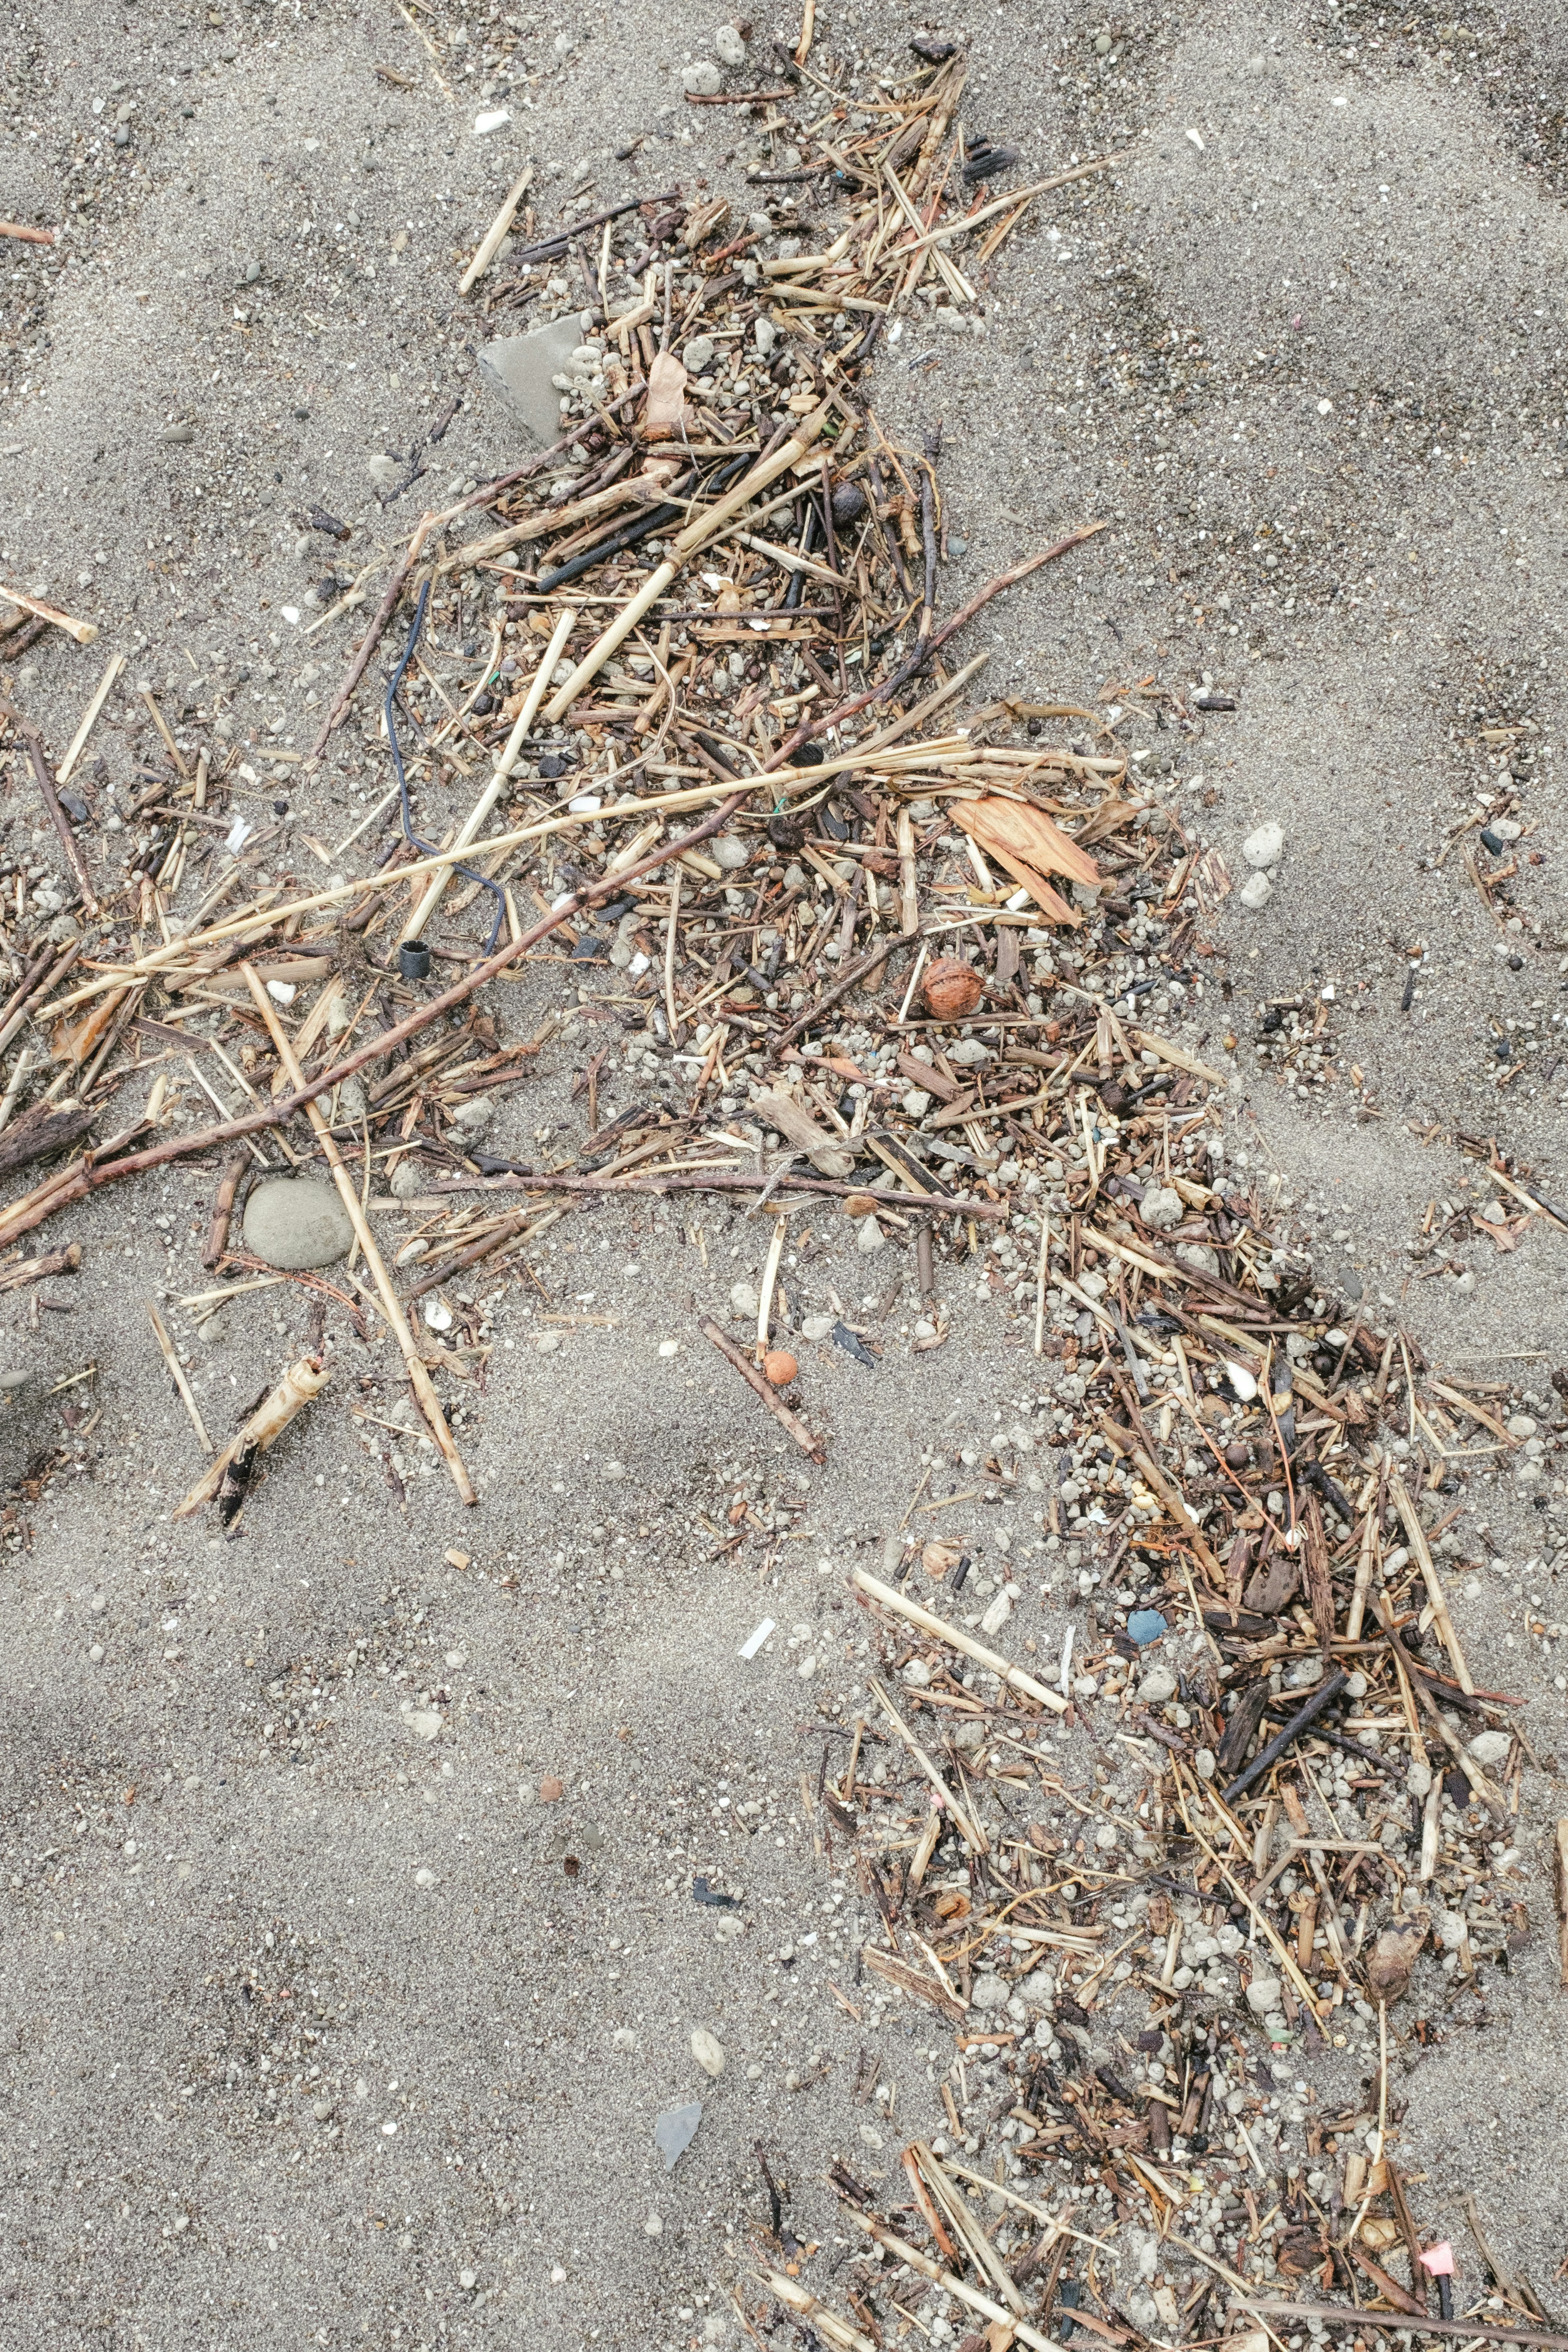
(178, 1374)
(1560, 1874)
(84, 632)
(217, 1240)
(348, 1193)
(1014, 1676)
(764, 1389)
(827, 1155)
(1315, 1566)
(38, 759)
(912, 1980)
(42, 1269)
(302, 1380)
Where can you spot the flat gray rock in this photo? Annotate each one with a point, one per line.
(292, 1223)
(523, 368)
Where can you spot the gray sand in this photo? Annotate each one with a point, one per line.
(308, 2034)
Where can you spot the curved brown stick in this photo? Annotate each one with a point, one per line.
(77, 1183)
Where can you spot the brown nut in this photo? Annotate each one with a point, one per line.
(952, 988)
(780, 1367)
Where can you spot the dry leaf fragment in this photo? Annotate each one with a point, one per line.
(1394, 1956)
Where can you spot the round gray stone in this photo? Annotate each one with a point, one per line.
(293, 1222)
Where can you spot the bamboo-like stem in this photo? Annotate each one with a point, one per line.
(266, 1424)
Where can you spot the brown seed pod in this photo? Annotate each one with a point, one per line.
(780, 1367)
(952, 988)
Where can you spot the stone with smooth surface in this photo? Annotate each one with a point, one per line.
(294, 1224)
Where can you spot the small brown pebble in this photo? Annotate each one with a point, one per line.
(952, 988)
(551, 1792)
(1239, 1456)
(780, 1367)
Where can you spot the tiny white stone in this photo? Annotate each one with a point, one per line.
(1242, 1381)
(547, 1342)
(1265, 845)
(1256, 892)
(669, 1347)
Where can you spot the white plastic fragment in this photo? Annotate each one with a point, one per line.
(753, 1642)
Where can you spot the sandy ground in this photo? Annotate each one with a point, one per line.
(311, 2032)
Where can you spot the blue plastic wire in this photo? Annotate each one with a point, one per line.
(429, 848)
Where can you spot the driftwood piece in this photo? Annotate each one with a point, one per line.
(42, 1269)
(754, 1380)
(84, 632)
(40, 1132)
(827, 1155)
(39, 760)
(302, 1380)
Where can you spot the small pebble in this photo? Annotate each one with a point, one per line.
(1265, 845)
(295, 1223)
(708, 2051)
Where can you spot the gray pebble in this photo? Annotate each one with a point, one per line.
(293, 1222)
